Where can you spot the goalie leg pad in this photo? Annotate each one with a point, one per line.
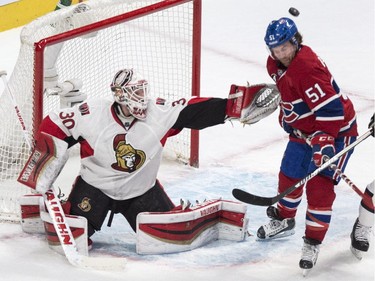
(78, 227)
(184, 229)
(31, 221)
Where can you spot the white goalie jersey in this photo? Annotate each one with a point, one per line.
(121, 155)
(129, 154)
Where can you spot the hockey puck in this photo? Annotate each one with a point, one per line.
(294, 12)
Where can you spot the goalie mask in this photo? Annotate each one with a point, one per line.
(130, 89)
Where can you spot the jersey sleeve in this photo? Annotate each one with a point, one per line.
(62, 124)
(201, 113)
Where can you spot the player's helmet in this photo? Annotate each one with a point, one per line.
(280, 31)
(131, 89)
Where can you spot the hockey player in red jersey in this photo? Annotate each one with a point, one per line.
(121, 142)
(311, 106)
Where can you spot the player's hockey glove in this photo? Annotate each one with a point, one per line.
(323, 147)
(371, 125)
(249, 104)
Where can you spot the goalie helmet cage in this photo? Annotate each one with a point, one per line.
(161, 39)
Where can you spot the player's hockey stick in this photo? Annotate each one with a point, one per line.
(252, 199)
(58, 217)
(351, 184)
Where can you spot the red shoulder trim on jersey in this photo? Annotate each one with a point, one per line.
(170, 133)
(197, 100)
(86, 149)
(50, 127)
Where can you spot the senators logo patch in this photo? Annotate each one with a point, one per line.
(128, 158)
(85, 205)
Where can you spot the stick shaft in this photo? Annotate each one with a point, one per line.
(17, 110)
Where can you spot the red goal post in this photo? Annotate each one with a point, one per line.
(161, 39)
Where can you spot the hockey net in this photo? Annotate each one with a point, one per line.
(161, 39)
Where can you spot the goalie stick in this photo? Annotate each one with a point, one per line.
(252, 199)
(26, 135)
(58, 216)
(68, 243)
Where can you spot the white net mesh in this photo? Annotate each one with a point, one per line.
(158, 45)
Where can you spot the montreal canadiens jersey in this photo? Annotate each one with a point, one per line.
(123, 160)
(311, 100)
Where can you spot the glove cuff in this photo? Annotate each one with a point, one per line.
(321, 138)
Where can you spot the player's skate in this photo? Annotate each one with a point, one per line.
(310, 251)
(277, 227)
(360, 239)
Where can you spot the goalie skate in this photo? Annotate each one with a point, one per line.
(277, 227)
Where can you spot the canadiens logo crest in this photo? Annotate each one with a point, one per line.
(288, 112)
(85, 205)
(128, 159)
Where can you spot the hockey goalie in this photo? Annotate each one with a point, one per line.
(121, 148)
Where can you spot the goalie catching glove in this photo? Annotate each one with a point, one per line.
(250, 104)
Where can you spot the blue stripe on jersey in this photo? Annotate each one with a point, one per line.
(335, 86)
(301, 108)
(332, 110)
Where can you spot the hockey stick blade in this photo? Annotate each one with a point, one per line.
(252, 199)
